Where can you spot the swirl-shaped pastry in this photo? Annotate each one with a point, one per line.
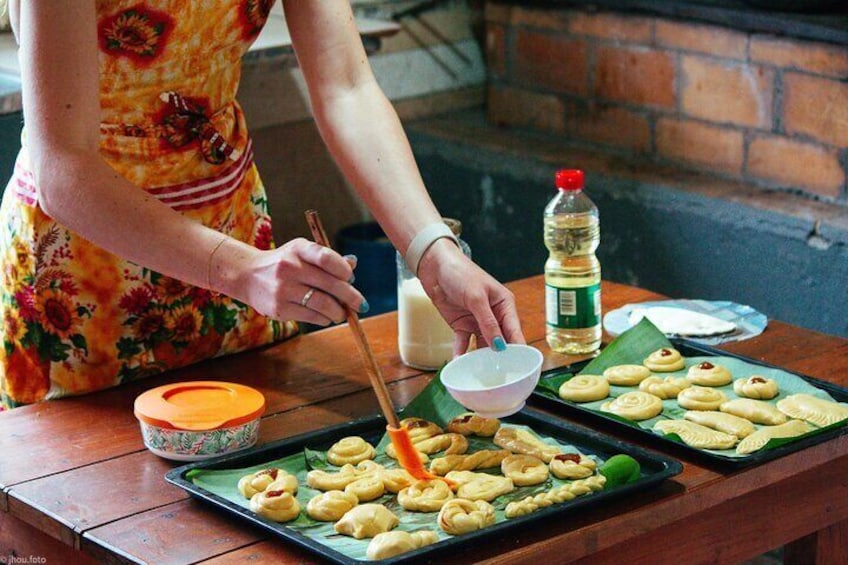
(420, 429)
(696, 435)
(518, 440)
(563, 493)
(627, 375)
(352, 450)
(396, 480)
(367, 488)
(664, 388)
(584, 388)
(707, 374)
(276, 505)
(331, 505)
(480, 486)
(524, 470)
(761, 437)
(325, 480)
(285, 482)
(471, 424)
(366, 521)
(572, 466)
(482, 459)
(250, 484)
(812, 409)
(425, 496)
(461, 516)
(756, 387)
(449, 443)
(757, 411)
(727, 423)
(634, 405)
(389, 544)
(665, 360)
(701, 398)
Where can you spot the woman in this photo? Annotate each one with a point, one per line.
(135, 231)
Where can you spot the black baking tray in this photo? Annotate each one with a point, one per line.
(655, 468)
(689, 348)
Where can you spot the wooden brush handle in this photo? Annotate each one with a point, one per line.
(374, 373)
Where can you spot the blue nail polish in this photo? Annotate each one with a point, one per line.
(364, 307)
(499, 344)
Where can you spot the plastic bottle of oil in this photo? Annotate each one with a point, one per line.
(572, 271)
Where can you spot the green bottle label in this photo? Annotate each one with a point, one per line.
(573, 308)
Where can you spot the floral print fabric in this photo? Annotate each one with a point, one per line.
(76, 318)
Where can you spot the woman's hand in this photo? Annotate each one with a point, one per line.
(469, 299)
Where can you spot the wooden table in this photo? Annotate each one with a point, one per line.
(79, 487)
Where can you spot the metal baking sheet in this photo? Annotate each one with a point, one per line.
(690, 348)
(655, 468)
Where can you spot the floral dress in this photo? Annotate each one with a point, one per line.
(76, 318)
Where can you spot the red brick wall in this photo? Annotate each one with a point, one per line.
(753, 107)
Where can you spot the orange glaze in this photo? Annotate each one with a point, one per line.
(408, 457)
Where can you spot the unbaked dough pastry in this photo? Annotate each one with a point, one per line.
(480, 486)
(389, 544)
(285, 481)
(250, 484)
(366, 521)
(696, 435)
(462, 516)
(276, 505)
(727, 423)
(396, 480)
(331, 505)
(757, 411)
(420, 429)
(524, 470)
(665, 360)
(701, 398)
(519, 440)
(482, 459)
(351, 449)
(471, 424)
(425, 496)
(367, 488)
(818, 411)
(707, 374)
(664, 388)
(634, 405)
(756, 387)
(761, 437)
(584, 388)
(572, 466)
(325, 480)
(450, 443)
(563, 493)
(627, 375)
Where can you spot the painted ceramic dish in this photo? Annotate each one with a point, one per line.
(196, 420)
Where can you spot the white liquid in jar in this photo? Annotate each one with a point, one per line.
(425, 340)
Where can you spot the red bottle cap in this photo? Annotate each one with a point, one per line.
(569, 179)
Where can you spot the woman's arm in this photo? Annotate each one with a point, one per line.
(364, 134)
(59, 65)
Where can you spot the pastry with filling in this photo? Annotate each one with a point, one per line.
(525, 442)
(571, 466)
(761, 437)
(480, 486)
(696, 435)
(564, 493)
(389, 544)
(462, 516)
(707, 374)
(420, 429)
(330, 506)
(450, 443)
(367, 488)
(665, 360)
(727, 423)
(471, 424)
(366, 521)
(483, 459)
(701, 398)
(250, 484)
(584, 388)
(352, 450)
(757, 411)
(286, 482)
(276, 505)
(524, 470)
(756, 387)
(425, 496)
(818, 411)
(634, 405)
(664, 388)
(627, 375)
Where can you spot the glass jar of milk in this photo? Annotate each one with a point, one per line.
(425, 340)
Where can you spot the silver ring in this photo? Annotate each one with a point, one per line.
(306, 297)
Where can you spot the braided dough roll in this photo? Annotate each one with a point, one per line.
(276, 505)
(701, 398)
(389, 544)
(634, 405)
(572, 466)
(524, 470)
(559, 494)
(627, 375)
(331, 505)
(524, 442)
(665, 360)
(425, 496)
(470, 424)
(351, 449)
(664, 388)
(707, 374)
(584, 388)
(462, 516)
(756, 387)
(482, 459)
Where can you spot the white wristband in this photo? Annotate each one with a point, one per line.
(422, 242)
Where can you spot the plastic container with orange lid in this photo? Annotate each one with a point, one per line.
(197, 420)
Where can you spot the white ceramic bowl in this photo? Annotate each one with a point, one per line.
(494, 384)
